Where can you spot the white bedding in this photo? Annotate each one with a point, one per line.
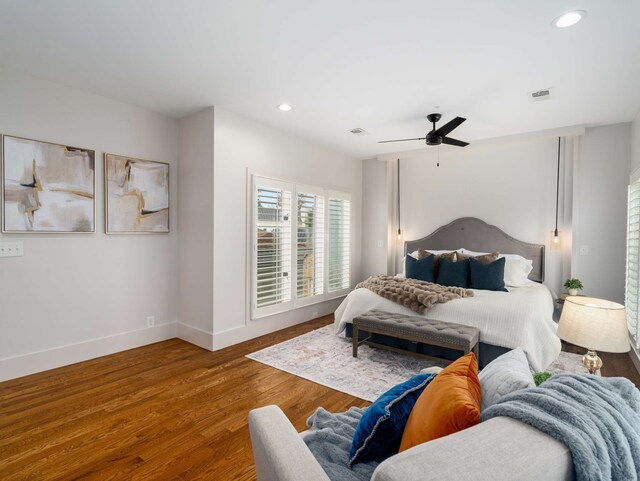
(522, 317)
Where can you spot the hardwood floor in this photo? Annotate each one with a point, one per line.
(165, 411)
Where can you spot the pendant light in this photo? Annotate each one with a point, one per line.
(398, 189)
(555, 234)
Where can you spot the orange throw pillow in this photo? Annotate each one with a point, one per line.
(450, 403)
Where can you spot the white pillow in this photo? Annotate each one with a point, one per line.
(505, 374)
(516, 272)
(516, 268)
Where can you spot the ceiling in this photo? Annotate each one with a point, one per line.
(375, 64)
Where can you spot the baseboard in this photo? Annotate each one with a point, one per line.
(33, 362)
(195, 335)
(266, 325)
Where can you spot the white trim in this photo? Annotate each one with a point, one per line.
(38, 361)
(195, 335)
(270, 324)
(296, 180)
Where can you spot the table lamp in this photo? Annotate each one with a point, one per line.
(595, 324)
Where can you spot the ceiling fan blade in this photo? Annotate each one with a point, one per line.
(399, 140)
(449, 126)
(450, 141)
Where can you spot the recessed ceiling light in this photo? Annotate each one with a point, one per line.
(284, 107)
(569, 19)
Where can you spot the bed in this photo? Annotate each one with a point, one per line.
(522, 317)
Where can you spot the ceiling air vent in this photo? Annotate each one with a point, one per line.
(358, 131)
(540, 95)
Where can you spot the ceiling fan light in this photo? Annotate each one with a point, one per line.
(569, 19)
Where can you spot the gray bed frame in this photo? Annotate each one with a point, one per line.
(476, 235)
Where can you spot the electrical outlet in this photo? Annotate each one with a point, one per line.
(380, 243)
(314, 314)
(11, 249)
(151, 321)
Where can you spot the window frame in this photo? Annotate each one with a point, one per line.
(634, 337)
(256, 180)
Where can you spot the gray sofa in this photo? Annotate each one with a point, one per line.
(501, 449)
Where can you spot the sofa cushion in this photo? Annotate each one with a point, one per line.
(505, 374)
(449, 404)
(380, 429)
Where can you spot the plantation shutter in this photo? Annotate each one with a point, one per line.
(272, 246)
(632, 288)
(310, 243)
(339, 243)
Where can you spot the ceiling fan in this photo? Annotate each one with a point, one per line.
(438, 136)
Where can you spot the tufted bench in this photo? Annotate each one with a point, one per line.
(414, 329)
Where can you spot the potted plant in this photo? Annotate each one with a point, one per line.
(573, 285)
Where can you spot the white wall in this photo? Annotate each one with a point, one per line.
(375, 231)
(77, 296)
(510, 183)
(241, 145)
(635, 143)
(600, 210)
(195, 209)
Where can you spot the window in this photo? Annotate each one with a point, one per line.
(632, 288)
(339, 243)
(301, 245)
(273, 245)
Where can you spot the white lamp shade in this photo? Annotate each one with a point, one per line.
(595, 324)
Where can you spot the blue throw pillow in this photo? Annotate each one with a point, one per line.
(489, 276)
(380, 429)
(454, 274)
(422, 269)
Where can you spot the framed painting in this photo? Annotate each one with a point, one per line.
(137, 195)
(47, 187)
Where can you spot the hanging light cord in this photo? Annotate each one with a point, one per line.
(555, 232)
(399, 232)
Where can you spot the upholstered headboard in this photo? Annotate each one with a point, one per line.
(476, 235)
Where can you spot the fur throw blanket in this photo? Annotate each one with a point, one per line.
(418, 296)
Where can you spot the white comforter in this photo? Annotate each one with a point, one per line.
(522, 317)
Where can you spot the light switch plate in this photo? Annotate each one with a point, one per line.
(584, 250)
(11, 249)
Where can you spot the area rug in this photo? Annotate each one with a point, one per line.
(324, 358)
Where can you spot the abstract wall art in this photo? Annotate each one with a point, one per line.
(137, 195)
(47, 187)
